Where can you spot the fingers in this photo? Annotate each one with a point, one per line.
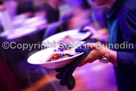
(88, 58)
(81, 64)
(91, 29)
(85, 61)
(97, 45)
(94, 54)
(91, 45)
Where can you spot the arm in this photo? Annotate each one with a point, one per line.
(113, 57)
(125, 59)
(98, 52)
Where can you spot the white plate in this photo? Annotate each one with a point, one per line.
(75, 34)
(41, 58)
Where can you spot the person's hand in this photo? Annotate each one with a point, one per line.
(95, 33)
(100, 36)
(96, 53)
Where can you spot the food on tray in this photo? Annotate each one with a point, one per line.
(67, 39)
(63, 51)
(59, 56)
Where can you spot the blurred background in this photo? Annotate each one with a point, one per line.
(32, 21)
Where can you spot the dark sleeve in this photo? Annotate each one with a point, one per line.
(25, 7)
(127, 60)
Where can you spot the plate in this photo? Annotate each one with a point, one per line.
(20, 32)
(74, 34)
(41, 58)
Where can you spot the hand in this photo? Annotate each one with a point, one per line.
(96, 53)
(95, 33)
(98, 34)
(65, 73)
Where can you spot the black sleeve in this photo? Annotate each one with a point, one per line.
(127, 60)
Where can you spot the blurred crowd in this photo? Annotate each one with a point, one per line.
(73, 13)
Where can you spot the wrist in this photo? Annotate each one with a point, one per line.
(106, 56)
(113, 57)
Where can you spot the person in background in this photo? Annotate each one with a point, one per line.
(1, 8)
(57, 14)
(7, 79)
(52, 10)
(121, 23)
(25, 8)
(85, 4)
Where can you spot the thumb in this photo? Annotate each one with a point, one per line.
(91, 29)
(93, 45)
